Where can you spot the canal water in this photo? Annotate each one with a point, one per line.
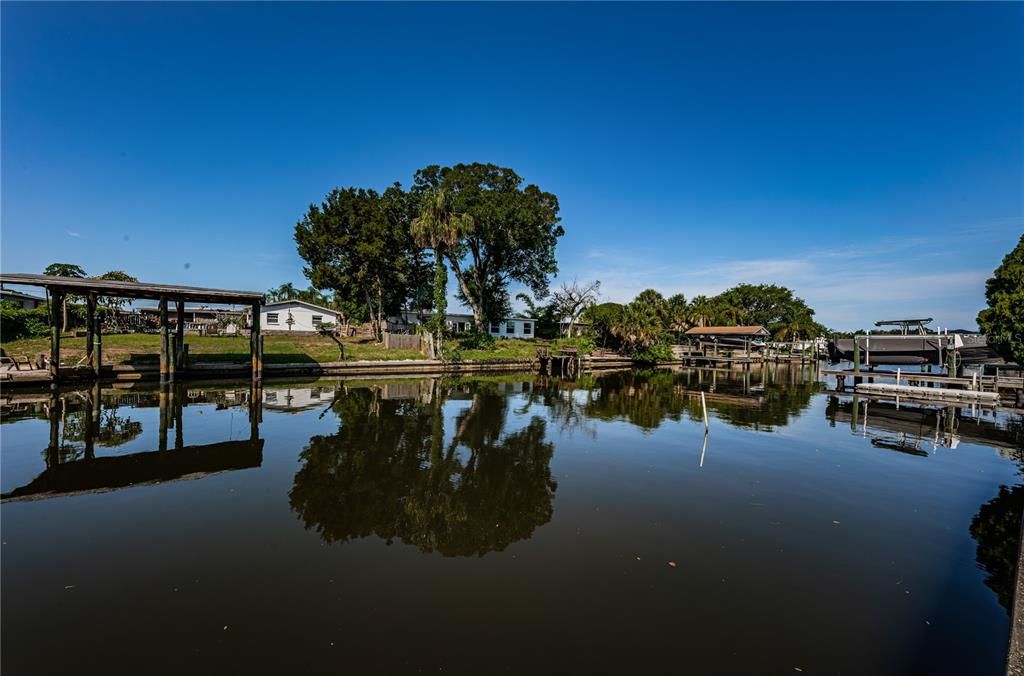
(506, 524)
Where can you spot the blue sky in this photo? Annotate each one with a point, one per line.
(870, 156)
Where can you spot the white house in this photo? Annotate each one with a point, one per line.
(26, 301)
(512, 327)
(295, 316)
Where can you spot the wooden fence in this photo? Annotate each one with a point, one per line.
(401, 341)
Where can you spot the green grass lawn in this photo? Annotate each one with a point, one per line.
(145, 348)
(278, 349)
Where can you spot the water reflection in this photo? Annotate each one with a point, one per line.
(851, 544)
(79, 421)
(918, 430)
(997, 530)
(760, 399)
(392, 471)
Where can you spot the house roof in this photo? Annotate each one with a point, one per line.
(300, 302)
(728, 331)
(20, 294)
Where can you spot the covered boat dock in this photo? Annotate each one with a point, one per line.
(172, 346)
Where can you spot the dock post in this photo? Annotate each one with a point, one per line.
(56, 299)
(164, 337)
(254, 339)
(856, 359)
(179, 336)
(96, 349)
(704, 408)
(172, 355)
(259, 358)
(90, 329)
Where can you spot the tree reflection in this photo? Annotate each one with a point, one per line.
(750, 399)
(389, 472)
(113, 429)
(996, 528)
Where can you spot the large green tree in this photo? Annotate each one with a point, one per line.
(358, 244)
(515, 231)
(117, 302)
(64, 270)
(775, 307)
(1003, 319)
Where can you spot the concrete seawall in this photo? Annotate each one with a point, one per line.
(1015, 659)
(215, 370)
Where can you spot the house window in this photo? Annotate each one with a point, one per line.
(510, 327)
(462, 327)
(318, 320)
(495, 328)
(272, 318)
(527, 328)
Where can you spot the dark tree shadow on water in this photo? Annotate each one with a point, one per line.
(997, 529)
(391, 471)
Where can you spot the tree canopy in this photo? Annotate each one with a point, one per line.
(645, 326)
(513, 238)
(64, 270)
(1003, 319)
(116, 276)
(358, 244)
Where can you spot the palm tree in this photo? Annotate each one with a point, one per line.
(701, 308)
(439, 227)
(286, 291)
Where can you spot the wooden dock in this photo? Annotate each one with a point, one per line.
(943, 393)
(933, 385)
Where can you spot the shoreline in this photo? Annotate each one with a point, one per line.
(235, 371)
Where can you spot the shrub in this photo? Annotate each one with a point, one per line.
(654, 354)
(583, 344)
(477, 340)
(16, 322)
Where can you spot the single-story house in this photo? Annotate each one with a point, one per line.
(25, 300)
(511, 327)
(295, 316)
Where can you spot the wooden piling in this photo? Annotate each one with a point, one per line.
(179, 333)
(259, 357)
(96, 349)
(254, 342)
(56, 299)
(90, 328)
(164, 346)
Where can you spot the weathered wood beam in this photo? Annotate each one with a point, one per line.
(164, 340)
(254, 343)
(56, 300)
(179, 332)
(90, 323)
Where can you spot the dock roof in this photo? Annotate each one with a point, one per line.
(728, 331)
(107, 287)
